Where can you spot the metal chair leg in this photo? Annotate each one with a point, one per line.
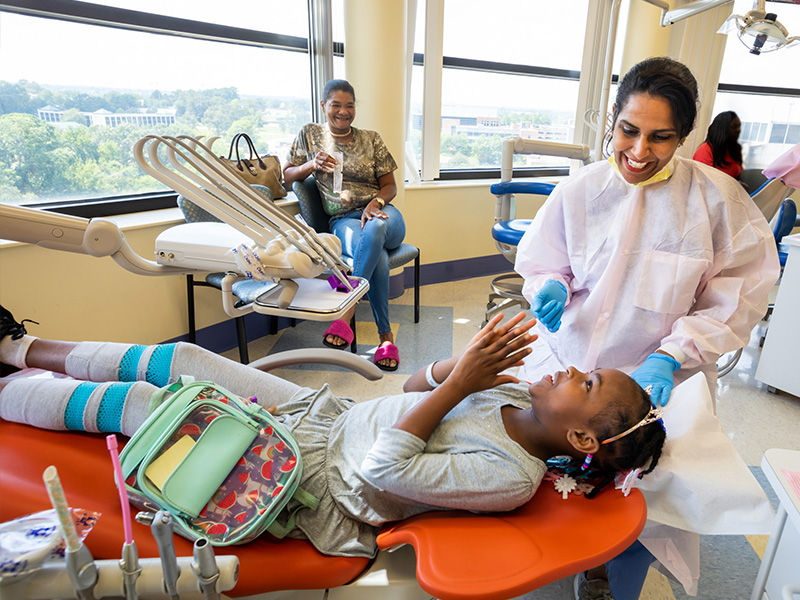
(354, 343)
(190, 308)
(241, 335)
(416, 289)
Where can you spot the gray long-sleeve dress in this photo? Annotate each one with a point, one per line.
(365, 473)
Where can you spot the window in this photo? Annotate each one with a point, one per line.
(70, 113)
(764, 91)
(509, 69)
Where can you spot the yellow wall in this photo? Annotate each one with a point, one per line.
(77, 297)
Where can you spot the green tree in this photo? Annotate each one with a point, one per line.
(221, 114)
(456, 144)
(14, 98)
(487, 149)
(79, 140)
(459, 161)
(26, 146)
(73, 115)
(116, 102)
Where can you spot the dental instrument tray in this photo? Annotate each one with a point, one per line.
(200, 246)
(224, 468)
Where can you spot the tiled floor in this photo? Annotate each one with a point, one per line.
(452, 312)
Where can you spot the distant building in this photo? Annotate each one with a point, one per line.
(161, 116)
(476, 122)
(50, 114)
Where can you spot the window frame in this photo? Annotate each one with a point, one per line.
(432, 100)
(128, 19)
(133, 20)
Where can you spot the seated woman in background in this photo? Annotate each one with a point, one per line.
(358, 204)
(722, 149)
(462, 436)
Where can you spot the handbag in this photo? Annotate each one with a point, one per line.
(261, 170)
(224, 468)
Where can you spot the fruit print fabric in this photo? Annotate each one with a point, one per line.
(249, 490)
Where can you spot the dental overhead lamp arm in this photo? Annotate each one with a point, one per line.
(757, 24)
(95, 237)
(755, 29)
(670, 17)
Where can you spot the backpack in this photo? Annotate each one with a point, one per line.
(224, 468)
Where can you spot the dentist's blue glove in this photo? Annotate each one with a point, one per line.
(656, 371)
(548, 304)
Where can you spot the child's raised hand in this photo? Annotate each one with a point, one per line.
(494, 349)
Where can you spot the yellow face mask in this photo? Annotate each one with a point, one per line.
(660, 176)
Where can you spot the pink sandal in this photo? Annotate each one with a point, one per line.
(342, 330)
(389, 351)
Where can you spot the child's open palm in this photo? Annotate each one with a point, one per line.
(494, 349)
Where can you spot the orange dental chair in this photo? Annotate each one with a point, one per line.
(460, 555)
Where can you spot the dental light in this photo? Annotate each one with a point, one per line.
(759, 30)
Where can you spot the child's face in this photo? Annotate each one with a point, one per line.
(570, 398)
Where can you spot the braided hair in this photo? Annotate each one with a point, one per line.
(641, 448)
(719, 140)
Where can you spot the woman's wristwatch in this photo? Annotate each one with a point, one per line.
(381, 201)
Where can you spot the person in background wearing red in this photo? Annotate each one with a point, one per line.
(722, 149)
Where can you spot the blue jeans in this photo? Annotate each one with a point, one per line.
(627, 571)
(368, 248)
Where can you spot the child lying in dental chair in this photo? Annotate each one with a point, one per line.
(462, 436)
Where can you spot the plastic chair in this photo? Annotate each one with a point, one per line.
(769, 197)
(784, 223)
(508, 230)
(507, 233)
(460, 556)
(753, 178)
(314, 215)
(469, 556)
(245, 290)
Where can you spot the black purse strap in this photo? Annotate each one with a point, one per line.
(251, 147)
(234, 144)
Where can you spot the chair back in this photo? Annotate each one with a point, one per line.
(784, 223)
(769, 196)
(753, 178)
(311, 204)
(195, 214)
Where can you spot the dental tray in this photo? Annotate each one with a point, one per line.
(202, 246)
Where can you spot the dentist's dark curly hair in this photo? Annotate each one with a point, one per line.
(660, 77)
(639, 449)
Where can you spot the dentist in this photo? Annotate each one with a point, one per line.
(645, 262)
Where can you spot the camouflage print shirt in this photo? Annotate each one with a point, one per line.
(366, 159)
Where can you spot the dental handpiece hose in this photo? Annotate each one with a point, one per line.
(80, 564)
(129, 563)
(161, 528)
(205, 568)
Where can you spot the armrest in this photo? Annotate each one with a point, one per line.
(319, 356)
(522, 187)
(485, 556)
